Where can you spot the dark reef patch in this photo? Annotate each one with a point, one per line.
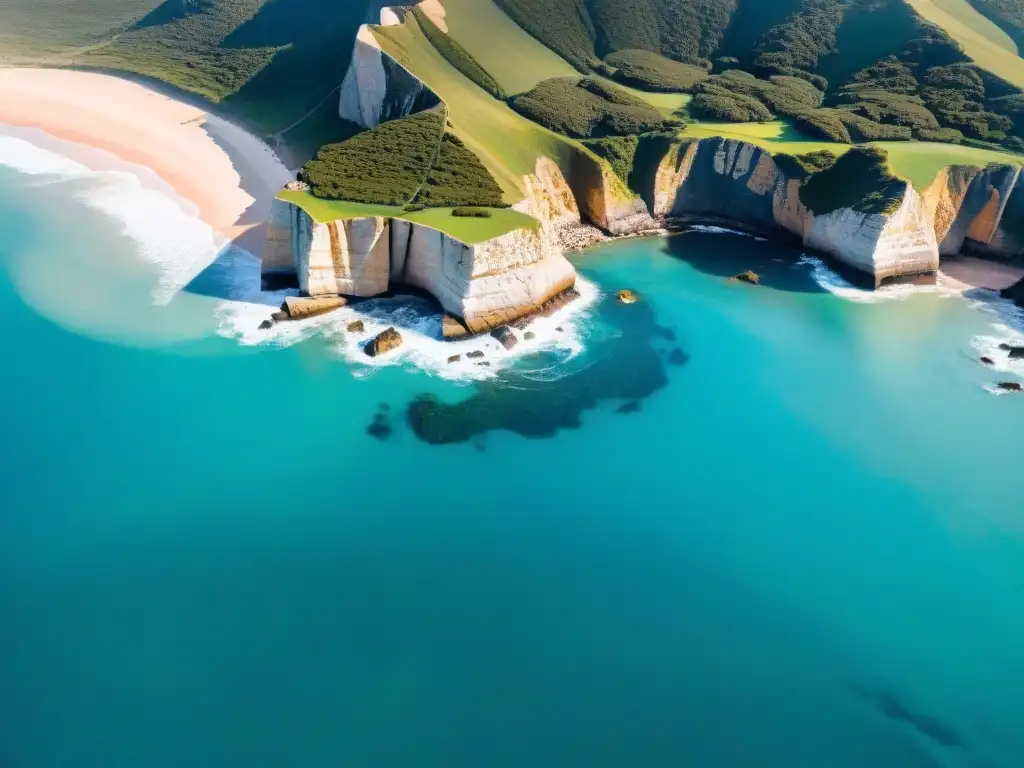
(678, 357)
(380, 428)
(623, 361)
(926, 725)
(633, 406)
(728, 255)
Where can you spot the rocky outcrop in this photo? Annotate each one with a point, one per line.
(739, 183)
(604, 200)
(301, 307)
(383, 342)
(1015, 293)
(377, 88)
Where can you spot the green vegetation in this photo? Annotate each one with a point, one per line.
(919, 162)
(653, 72)
(635, 159)
(458, 57)
(34, 30)
(458, 178)
(861, 179)
(738, 95)
(469, 230)
(587, 108)
(472, 213)
(802, 166)
(1008, 14)
(411, 161)
(386, 165)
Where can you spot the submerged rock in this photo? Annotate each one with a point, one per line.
(505, 337)
(454, 358)
(301, 307)
(627, 296)
(678, 357)
(453, 328)
(380, 428)
(748, 277)
(383, 342)
(356, 327)
(633, 406)
(1010, 386)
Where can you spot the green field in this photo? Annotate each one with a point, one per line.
(465, 229)
(920, 161)
(508, 144)
(775, 136)
(982, 40)
(509, 54)
(34, 30)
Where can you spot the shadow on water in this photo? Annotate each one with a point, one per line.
(893, 708)
(626, 364)
(727, 255)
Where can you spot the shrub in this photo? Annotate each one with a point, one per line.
(652, 72)
(458, 178)
(948, 135)
(864, 129)
(458, 56)
(385, 165)
(587, 109)
(472, 213)
(414, 208)
(722, 105)
(802, 166)
(860, 180)
(823, 123)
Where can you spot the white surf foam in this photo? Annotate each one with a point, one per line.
(29, 159)
(835, 284)
(419, 322)
(712, 229)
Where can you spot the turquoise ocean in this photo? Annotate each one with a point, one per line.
(725, 526)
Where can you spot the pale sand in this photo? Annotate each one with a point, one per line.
(228, 174)
(968, 272)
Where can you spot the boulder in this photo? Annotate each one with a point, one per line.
(1009, 386)
(529, 336)
(383, 342)
(279, 317)
(453, 328)
(628, 297)
(475, 354)
(266, 325)
(356, 327)
(454, 358)
(505, 337)
(988, 361)
(301, 307)
(748, 277)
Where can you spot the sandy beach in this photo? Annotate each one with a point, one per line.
(229, 175)
(969, 272)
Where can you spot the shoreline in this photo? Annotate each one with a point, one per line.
(226, 172)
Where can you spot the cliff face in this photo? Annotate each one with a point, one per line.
(376, 88)
(486, 284)
(734, 181)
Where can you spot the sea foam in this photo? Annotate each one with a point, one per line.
(835, 284)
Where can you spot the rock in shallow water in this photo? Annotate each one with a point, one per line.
(988, 361)
(1010, 386)
(453, 328)
(475, 354)
(627, 296)
(301, 307)
(748, 277)
(505, 337)
(529, 336)
(266, 325)
(454, 358)
(1016, 353)
(385, 341)
(356, 327)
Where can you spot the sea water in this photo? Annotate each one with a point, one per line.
(725, 526)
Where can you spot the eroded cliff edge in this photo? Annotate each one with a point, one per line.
(496, 281)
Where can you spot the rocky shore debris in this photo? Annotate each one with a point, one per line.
(301, 307)
(475, 354)
(380, 428)
(1016, 352)
(454, 358)
(383, 342)
(748, 277)
(266, 325)
(529, 336)
(627, 296)
(1009, 386)
(453, 328)
(356, 327)
(505, 337)
(987, 361)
